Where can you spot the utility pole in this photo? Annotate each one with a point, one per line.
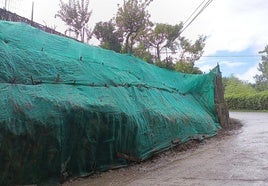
(5, 5)
(32, 11)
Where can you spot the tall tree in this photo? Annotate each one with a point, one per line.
(142, 52)
(132, 18)
(164, 36)
(76, 15)
(189, 53)
(167, 63)
(109, 37)
(262, 79)
(188, 68)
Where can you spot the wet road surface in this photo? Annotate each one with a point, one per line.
(237, 159)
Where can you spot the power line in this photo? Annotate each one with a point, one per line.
(200, 11)
(222, 56)
(233, 56)
(193, 12)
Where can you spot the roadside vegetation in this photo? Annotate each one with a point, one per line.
(242, 95)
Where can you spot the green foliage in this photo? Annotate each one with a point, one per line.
(189, 68)
(168, 64)
(164, 36)
(248, 101)
(191, 52)
(240, 95)
(131, 19)
(131, 31)
(76, 15)
(262, 79)
(234, 86)
(142, 53)
(134, 33)
(108, 36)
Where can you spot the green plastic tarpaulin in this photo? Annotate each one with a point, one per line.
(70, 109)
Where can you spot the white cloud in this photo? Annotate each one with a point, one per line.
(231, 64)
(232, 25)
(249, 74)
(206, 68)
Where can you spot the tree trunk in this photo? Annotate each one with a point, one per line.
(82, 34)
(127, 43)
(158, 53)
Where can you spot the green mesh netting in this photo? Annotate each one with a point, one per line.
(69, 109)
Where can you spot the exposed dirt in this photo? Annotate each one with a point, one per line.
(127, 175)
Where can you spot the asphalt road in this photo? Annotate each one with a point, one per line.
(240, 158)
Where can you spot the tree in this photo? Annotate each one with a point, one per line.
(142, 52)
(167, 37)
(167, 63)
(164, 36)
(189, 54)
(76, 15)
(262, 79)
(188, 68)
(134, 33)
(234, 86)
(109, 37)
(132, 18)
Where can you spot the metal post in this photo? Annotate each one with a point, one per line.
(5, 5)
(32, 11)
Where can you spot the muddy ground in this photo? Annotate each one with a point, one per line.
(238, 156)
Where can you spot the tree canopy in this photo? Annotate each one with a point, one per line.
(262, 79)
(164, 36)
(109, 37)
(76, 15)
(189, 53)
(131, 31)
(132, 18)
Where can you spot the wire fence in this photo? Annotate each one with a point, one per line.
(10, 16)
(20, 7)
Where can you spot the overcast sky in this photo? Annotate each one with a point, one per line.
(237, 29)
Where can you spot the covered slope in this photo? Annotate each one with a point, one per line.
(70, 109)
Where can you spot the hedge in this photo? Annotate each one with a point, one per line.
(248, 101)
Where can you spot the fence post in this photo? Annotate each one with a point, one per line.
(221, 106)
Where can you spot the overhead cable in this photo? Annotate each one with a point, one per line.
(194, 12)
(200, 11)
